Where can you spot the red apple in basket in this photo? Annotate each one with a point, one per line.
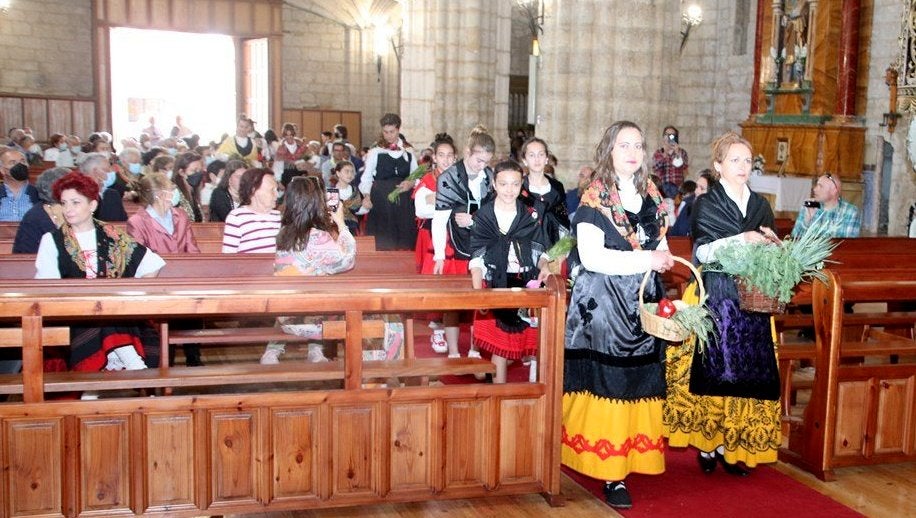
(666, 308)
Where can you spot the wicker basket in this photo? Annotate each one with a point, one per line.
(662, 327)
(753, 300)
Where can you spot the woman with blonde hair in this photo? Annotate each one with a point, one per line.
(161, 226)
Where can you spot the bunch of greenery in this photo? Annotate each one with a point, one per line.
(395, 195)
(776, 269)
(561, 248)
(693, 318)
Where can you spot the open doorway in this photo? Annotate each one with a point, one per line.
(165, 74)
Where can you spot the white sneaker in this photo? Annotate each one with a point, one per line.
(271, 357)
(474, 353)
(114, 363)
(437, 340)
(89, 395)
(129, 357)
(316, 354)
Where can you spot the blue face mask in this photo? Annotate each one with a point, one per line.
(172, 151)
(109, 179)
(62, 147)
(169, 174)
(210, 159)
(75, 149)
(176, 197)
(134, 168)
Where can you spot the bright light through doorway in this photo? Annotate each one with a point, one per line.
(166, 74)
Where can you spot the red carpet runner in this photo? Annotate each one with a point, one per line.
(683, 491)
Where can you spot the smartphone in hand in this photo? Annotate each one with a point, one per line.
(332, 196)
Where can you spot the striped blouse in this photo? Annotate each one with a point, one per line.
(247, 231)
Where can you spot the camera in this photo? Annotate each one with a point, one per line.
(671, 137)
(812, 204)
(333, 199)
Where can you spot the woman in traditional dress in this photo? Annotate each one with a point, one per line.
(614, 382)
(725, 400)
(87, 248)
(241, 145)
(388, 165)
(505, 255)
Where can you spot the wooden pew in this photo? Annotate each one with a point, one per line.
(267, 451)
(861, 405)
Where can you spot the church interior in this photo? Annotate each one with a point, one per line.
(819, 88)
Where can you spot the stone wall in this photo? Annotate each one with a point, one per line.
(883, 51)
(714, 77)
(601, 63)
(331, 66)
(46, 49)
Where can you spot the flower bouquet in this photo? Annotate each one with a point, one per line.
(767, 274)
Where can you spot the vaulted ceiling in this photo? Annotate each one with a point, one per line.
(352, 13)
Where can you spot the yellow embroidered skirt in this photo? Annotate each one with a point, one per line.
(748, 428)
(609, 439)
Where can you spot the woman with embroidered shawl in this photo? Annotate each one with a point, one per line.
(87, 248)
(725, 400)
(505, 255)
(614, 382)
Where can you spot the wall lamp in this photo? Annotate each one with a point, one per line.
(690, 18)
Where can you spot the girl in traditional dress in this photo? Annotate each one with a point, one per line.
(460, 191)
(387, 167)
(725, 401)
(614, 382)
(87, 248)
(350, 197)
(445, 334)
(505, 255)
(543, 193)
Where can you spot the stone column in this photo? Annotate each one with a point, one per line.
(455, 69)
(849, 59)
(600, 62)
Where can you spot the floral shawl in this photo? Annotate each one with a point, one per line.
(606, 199)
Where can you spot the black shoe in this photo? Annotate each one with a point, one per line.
(617, 496)
(732, 469)
(193, 361)
(707, 464)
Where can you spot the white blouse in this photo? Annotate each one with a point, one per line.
(46, 260)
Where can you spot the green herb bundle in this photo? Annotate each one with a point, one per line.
(776, 269)
(694, 318)
(561, 248)
(395, 195)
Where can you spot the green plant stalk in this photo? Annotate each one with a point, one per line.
(395, 195)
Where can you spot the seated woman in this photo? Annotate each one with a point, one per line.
(42, 217)
(240, 145)
(86, 248)
(161, 226)
(312, 241)
(225, 197)
(253, 227)
(188, 165)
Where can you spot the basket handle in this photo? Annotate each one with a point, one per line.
(677, 259)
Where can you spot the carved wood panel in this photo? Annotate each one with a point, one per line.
(412, 445)
(851, 412)
(895, 409)
(466, 448)
(31, 469)
(520, 440)
(171, 481)
(294, 453)
(104, 470)
(354, 451)
(233, 465)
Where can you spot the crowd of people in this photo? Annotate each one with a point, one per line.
(462, 211)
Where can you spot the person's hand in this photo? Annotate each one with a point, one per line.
(337, 216)
(756, 237)
(464, 219)
(662, 261)
(431, 198)
(770, 235)
(543, 274)
(405, 186)
(367, 203)
(438, 266)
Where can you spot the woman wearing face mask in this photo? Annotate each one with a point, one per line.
(187, 165)
(59, 151)
(241, 145)
(225, 197)
(161, 226)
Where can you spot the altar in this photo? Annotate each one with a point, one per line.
(785, 193)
